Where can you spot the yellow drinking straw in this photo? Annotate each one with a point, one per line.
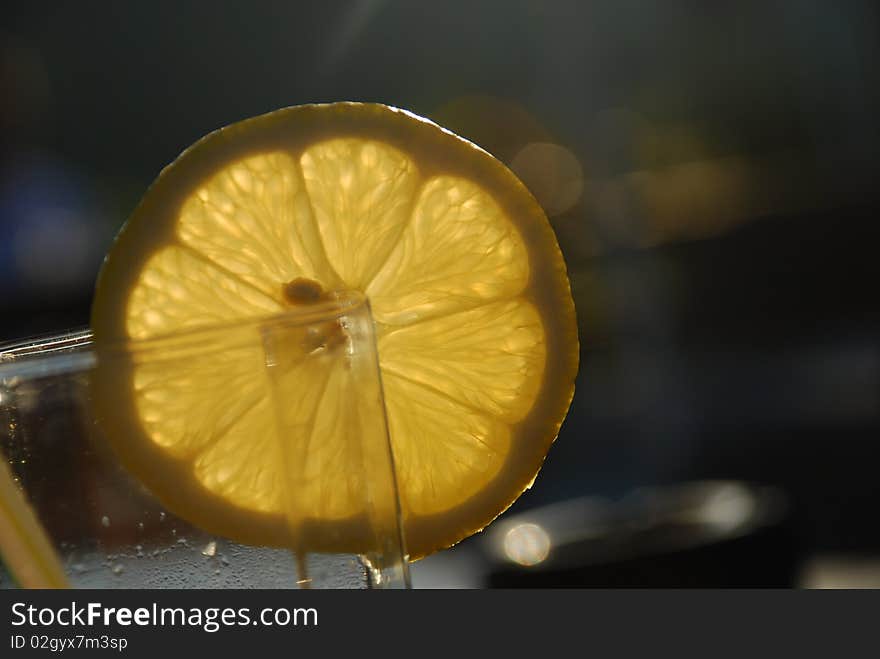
(24, 546)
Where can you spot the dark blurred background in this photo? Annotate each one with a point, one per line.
(710, 171)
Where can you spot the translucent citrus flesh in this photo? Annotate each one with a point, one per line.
(467, 288)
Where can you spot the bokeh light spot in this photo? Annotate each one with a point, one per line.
(527, 544)
(553, 174)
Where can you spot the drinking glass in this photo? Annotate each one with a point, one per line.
(61, 396)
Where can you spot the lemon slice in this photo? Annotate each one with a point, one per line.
(474, 320)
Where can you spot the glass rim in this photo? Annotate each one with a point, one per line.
(63, 344)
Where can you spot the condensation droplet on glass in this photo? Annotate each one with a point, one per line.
(210, 549)
(105, 521)
(140, 526)
(118, 569)
(161, 517)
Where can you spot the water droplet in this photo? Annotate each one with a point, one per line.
(140, 550)
(118, 569)
(105, 521)
(140, 526)
(210, 549)
(224, 560)
(173, 531)
(161, 517)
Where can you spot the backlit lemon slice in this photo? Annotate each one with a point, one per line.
(474, 320)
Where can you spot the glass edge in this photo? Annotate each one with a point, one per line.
(51, 345)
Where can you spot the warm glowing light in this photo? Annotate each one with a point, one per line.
(552, 173)
(527, 544)
(728, 508)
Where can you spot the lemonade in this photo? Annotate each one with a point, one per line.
(107, 530)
